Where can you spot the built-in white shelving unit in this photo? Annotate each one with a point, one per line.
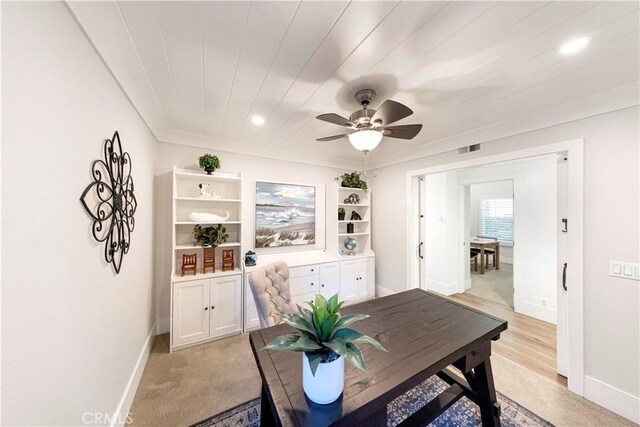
(205, 306)
(337, 229)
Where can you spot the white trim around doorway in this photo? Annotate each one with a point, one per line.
(575, 151)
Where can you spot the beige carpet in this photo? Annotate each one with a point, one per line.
(187, 386)
(494, 285)
(190, 385)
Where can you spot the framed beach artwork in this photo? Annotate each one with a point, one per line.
(285, 214)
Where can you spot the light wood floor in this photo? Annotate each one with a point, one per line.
(527, 341)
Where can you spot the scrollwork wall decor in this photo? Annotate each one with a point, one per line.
(110, 202)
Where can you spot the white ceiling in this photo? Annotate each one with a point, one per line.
(198, 71)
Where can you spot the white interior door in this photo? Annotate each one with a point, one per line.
(563, 230)
(421, 233)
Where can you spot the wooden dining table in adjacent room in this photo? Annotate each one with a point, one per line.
(482, 244)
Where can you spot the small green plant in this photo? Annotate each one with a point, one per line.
(352, 180)
(209, 162)
(322, 334)
(341, 210)
(209, 236)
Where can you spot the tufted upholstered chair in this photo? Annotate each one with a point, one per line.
(271, 292)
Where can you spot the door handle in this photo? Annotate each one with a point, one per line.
(564, 277)
(420, 250)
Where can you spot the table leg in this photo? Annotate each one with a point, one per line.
(266, 416)
(497, 255)
(482, 260)
(483, 385)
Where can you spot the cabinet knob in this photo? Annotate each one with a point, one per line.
(312, 269)
(322, 286)
(312, 284)
(206, 308)
(213, 307)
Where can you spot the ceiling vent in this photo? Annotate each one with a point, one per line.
(469, 149)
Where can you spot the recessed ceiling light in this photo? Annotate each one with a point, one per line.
(574, 45)
(257, 120)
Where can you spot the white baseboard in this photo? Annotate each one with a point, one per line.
(615, 400)
(442, 288)
(381, 291)
(122, 412)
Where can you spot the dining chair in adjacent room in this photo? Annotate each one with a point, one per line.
(489, 252)
(271, 292)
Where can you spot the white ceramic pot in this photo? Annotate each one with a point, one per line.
(327, 385)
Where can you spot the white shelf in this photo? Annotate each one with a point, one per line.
(198, 199)
(193, 247)
(353, 204)
(207, 222)
(352, 234)
(221, 176)
(199, 276)
(353, 220)
(353, 189)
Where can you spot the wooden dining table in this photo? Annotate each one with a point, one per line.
(425, 334)
(482, 244)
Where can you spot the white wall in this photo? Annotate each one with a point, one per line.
(611, 230)
(252, 168)
(73, 331)
(489, 190)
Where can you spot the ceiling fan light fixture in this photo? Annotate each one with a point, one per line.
(365, 140)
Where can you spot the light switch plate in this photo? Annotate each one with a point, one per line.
(625, 270)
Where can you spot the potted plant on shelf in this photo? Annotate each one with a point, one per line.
(209, 236)
(325, 342)
(209, 163)
(352, 180)
(341, 214)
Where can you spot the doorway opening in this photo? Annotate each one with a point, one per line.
(492, 235)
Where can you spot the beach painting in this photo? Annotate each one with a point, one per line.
(285, 214)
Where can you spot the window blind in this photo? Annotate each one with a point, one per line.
(496, 219)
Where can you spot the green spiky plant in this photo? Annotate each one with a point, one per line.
(322, 334)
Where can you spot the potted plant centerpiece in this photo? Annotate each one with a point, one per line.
(209, 163)
(352, 180)
(341, 214)
(325, 340)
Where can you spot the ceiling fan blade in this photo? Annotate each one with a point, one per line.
(391, 111)
(331, 138)
(402, 131)
(335, 119)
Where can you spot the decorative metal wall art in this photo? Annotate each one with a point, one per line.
(110, 202)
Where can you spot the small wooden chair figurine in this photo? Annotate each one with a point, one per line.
(189, 262)
(227, 260)
(209, 260)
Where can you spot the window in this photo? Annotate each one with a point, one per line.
(496, 219)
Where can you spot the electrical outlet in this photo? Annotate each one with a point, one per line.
(544, 302)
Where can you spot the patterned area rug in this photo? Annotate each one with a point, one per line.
(464, 413)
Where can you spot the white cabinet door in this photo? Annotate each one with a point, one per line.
(190, 311)
(366, 277)
(225, 302)
(329, 279)
(251, 319)
(302, 298)
(348, 280)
